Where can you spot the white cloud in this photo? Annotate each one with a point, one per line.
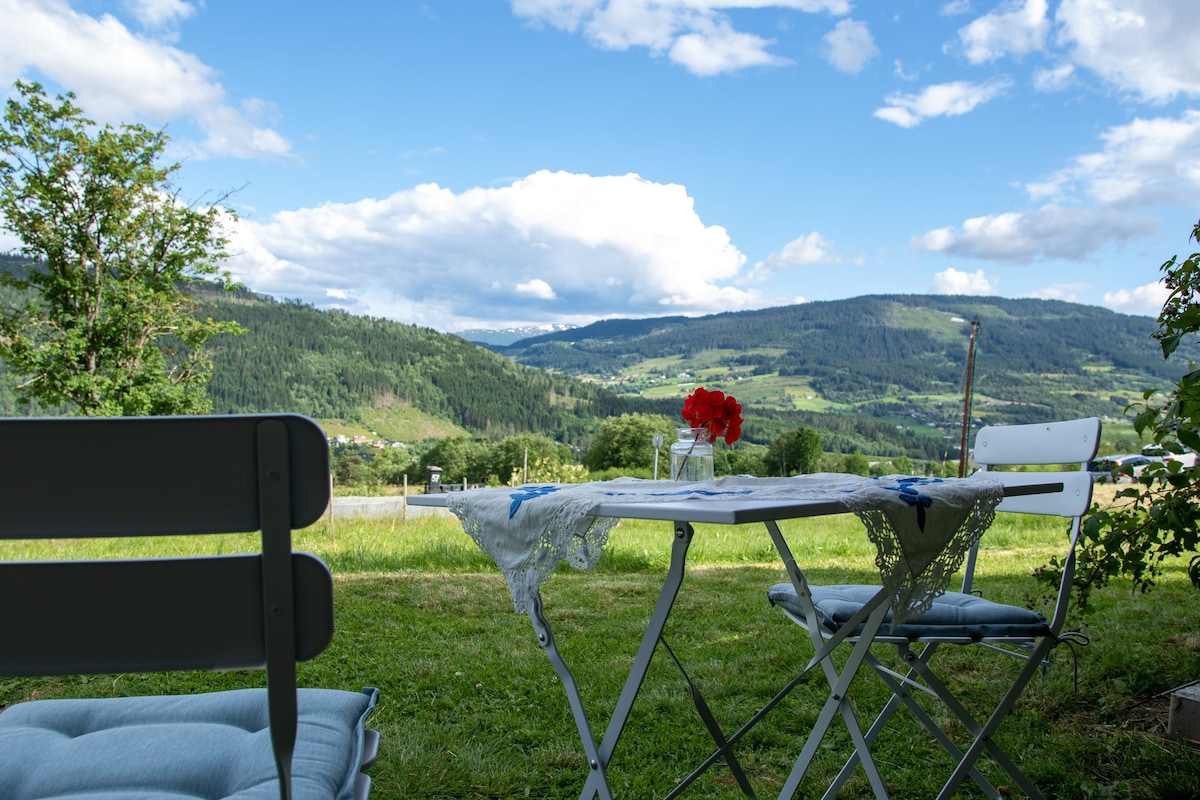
(120, 76)
(1018, 28)
(1054, 79)
(943, 99)
(1048, 232)
(812, 248)
(952, 281)
(536, 288)
(898, 71)
(1145, 47)
(849, 46)
(429, 255)
(1145, 162)
(719, 48)
(160, 13)
(955, 7)
(697, 34)
(1147, 299)
(1067, 292)
(1095, 199)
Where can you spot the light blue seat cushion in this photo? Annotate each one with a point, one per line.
(953, 614)
(214, 746)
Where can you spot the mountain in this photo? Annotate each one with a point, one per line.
(880, 374)
(885, 356)
(499, 337)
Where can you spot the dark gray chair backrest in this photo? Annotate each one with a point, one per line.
(68, 478)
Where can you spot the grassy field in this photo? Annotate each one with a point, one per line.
(471, 708)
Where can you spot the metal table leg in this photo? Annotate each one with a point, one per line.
(600, 756)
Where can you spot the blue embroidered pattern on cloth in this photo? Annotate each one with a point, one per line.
(921, 527)
(906, 488)
(528, 493)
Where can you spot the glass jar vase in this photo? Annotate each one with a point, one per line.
(691, 455)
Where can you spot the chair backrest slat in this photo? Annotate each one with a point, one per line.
(1073, 501)
(147, 615)
(149, 476)
(1067, 442)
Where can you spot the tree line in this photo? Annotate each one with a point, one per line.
(623, 446)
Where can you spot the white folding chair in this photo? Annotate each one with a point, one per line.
(964, 618)
(71, 478)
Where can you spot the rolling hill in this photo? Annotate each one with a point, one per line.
(884, 356)
(878, 374)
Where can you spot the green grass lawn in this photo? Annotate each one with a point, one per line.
(470, 707)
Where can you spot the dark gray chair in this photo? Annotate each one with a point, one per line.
(71, 478)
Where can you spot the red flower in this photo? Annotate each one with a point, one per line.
(715, 411)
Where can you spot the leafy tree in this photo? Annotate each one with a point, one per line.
(507, 457)
(1158, 517)
(460, 459)
(389, 465)
(794, 453)
(627, 441)
(546, 471)
(739, 461)
(856, 464)
(105, 323)
(349, 468)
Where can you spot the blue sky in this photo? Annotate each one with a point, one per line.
(482, 164)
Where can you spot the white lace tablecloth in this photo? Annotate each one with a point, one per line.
(921, 527)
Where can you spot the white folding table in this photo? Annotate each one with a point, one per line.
(718, 507)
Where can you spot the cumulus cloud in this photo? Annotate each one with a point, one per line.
(1146, 299)
(1016, 29)
(1145, 162)
(1048, 232)
(160, 13)
(536, 288)
(807, 250)
(553, 246)
(850, 46)
(952, 281)
(1067, 292)
(119, 75)
(696, 34)
(1054, 79)
(1144, 47)
(940, 100)
(719, 48)
(1092, 202)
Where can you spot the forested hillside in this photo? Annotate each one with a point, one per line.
(330, 364)
(884, 355)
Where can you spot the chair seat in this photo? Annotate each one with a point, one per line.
(155, 748)
(953, 615)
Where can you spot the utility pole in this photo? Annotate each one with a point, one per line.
(966, 421)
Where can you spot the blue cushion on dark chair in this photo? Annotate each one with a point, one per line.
(953, 614)
(155, 748)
